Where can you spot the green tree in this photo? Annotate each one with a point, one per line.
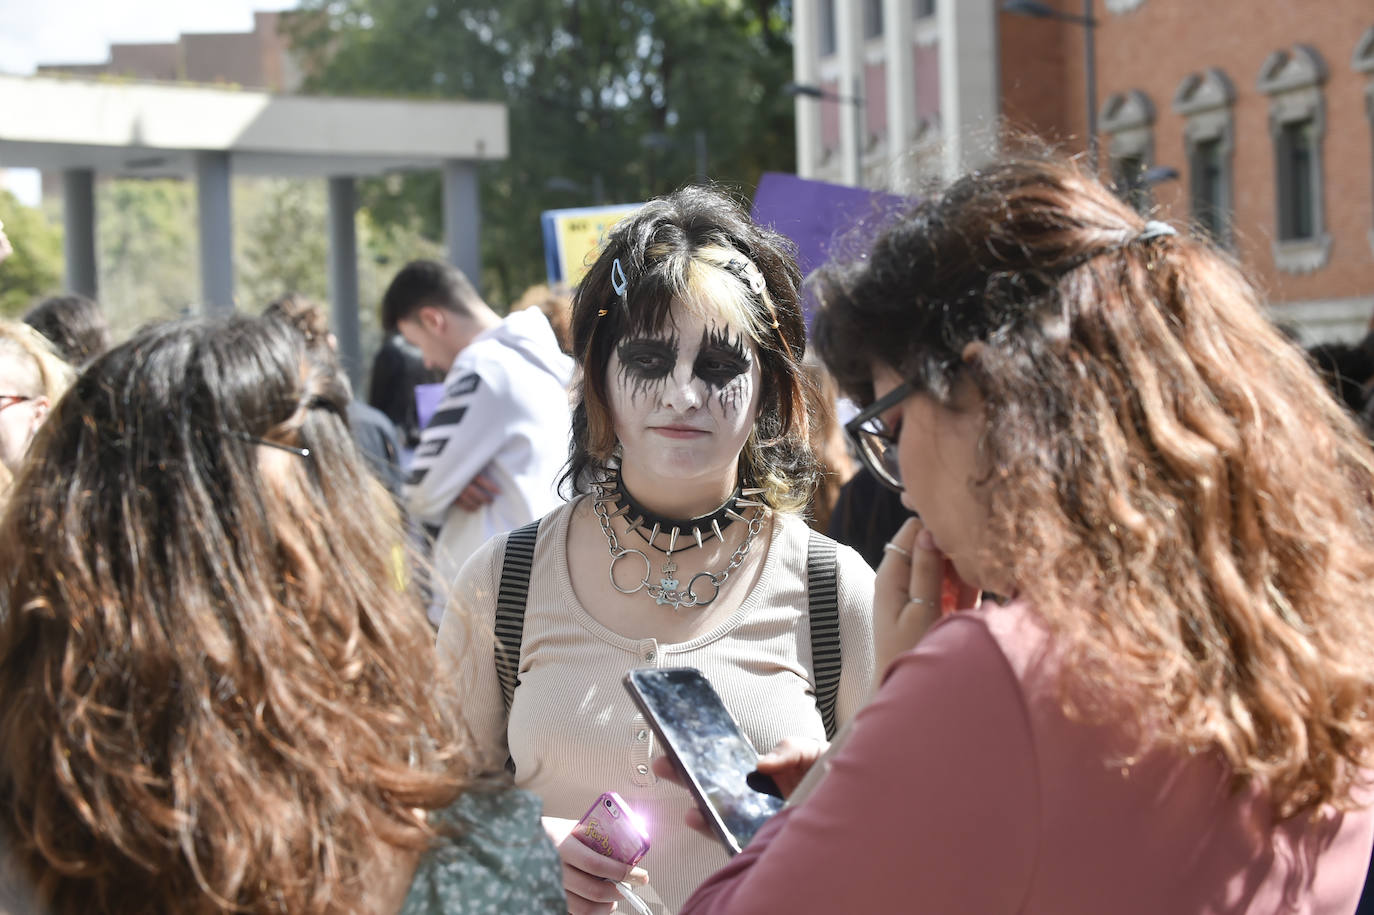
(601, 95)
(282, 246)
(280, 240)
(145, 250)
(34, 270)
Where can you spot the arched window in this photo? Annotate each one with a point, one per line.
(1128, 118)
(1205, 99)
(1297, 122)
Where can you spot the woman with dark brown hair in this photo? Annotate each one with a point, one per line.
(217, 694)
(1170, 707)
(685, 545)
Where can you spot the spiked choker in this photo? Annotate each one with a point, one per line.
(681, 534)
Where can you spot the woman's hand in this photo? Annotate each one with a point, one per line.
(789, 761)
(589, 878)
(788, 764)
(916, 584)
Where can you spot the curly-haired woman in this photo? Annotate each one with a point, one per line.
(1171, 707)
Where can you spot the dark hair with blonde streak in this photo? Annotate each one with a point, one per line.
(1175, 491)
(217, 693)
(676, 249)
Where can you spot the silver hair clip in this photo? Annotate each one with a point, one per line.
(618, 281)
(1155, 229)
(255, 440)
(748, 271)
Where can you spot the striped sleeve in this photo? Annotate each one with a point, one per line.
(465, 433)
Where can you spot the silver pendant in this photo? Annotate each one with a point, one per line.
(667, 584)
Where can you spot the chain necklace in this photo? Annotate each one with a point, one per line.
(666, 591)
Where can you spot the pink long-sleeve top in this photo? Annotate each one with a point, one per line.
(965, 789)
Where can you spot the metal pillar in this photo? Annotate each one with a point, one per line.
(463, 219)
(216, 224)
(343, 275)
(78, 230)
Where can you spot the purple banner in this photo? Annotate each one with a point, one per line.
(823, 219)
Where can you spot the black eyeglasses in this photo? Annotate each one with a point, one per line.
(876, 443)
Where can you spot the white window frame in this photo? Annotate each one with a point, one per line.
(1293, 79)
(1206, 101)
(1128, 118)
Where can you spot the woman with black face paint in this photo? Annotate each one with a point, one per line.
(684, 545)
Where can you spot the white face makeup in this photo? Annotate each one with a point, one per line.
(684, 399)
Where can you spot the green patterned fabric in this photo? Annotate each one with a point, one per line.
(501, 861)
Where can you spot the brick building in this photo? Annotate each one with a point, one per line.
(1264, 112)
(259, 59)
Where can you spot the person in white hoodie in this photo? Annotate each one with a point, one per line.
(489, 459)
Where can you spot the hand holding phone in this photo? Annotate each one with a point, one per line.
(708, 749)
(611, 829)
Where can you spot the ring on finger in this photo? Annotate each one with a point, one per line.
(891, 547)
(920, 601)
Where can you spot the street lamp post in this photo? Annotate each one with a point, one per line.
(1037, 10)
(853, 165)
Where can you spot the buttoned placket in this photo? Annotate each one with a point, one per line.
(641, 735)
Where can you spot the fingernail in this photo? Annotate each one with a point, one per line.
(638, 875)
(925, 540)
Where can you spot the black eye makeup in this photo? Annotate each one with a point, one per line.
(645, 361)
(721, 358)
(722, 361)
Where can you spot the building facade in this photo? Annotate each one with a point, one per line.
(1252, 122)
(259, 59)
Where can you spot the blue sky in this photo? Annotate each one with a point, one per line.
(34, 32)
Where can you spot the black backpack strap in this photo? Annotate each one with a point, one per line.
(511, 598)
(822, 593)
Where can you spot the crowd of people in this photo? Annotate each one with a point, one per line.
(1093, 638)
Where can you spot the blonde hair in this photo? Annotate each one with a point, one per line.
(42, 372)
(47, 373)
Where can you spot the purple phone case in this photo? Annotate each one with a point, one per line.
(612, 829)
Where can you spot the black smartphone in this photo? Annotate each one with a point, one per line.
(708, 748)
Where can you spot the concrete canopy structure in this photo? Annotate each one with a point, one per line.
(85, 128)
